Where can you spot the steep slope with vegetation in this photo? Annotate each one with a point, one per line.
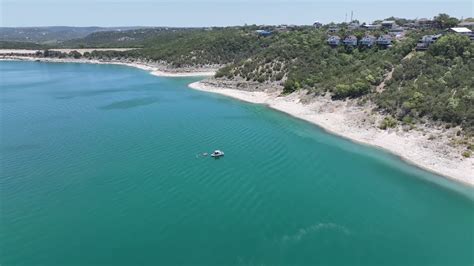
(202, 47)
(303, 60)
(438, 84)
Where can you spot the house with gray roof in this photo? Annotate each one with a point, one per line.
(350, 40)
(467, 24)
(384, 40)
(424, 23)
(368, 40)
(334, 40)
(388, 24)
(317, 24)
(426, 41)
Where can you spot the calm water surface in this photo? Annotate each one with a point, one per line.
(100, 165)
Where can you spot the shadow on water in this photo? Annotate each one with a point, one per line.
(97, 92)
(75, 94)
(127, 104)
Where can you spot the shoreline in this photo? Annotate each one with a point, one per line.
(335, 117)
(408, 146)
(154, 69)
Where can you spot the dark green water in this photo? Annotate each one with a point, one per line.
(99, 166)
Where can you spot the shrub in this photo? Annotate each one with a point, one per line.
(467, 154)
(279, 76)
(225, 71)
(290, 86)
(355, 90)
(341, 90)
(388, 122)
(75, 54)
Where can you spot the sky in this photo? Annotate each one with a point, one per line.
(197, 13)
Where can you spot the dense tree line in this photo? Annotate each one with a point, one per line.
(20, 45)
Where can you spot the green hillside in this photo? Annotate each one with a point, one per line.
(438, 84)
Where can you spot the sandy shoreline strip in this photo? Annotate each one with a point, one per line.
(410, 146)
(335, 118)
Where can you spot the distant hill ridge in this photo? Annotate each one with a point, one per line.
(54, 34)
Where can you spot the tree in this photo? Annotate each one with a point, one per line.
(75, 54)
(388, 122)
(445, 21)
(291, 86)
(451, 46)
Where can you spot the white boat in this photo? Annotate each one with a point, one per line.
(217, 153)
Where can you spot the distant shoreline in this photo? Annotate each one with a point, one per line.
(337, 117)
(154, 69)
(62, 50)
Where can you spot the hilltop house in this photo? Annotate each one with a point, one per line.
(467, 24)
(334, 40)
(384, 40)
(424, 23)
(372, 26)
(430, 38)
(397, 32)
(353, 25)
(317, 24)
(463, 31)
(368, 40)
(263, 33)
(410, 25)
(388, 24)
(426, 41)
(350, 40)
(282, 28)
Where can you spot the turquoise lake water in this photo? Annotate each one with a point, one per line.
(100, 165)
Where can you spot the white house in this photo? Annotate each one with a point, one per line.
(461, 30)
